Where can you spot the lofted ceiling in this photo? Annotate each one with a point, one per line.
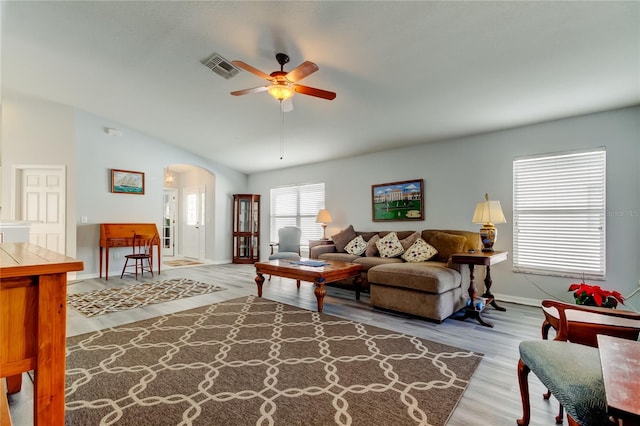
(404, 72)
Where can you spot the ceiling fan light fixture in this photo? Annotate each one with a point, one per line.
(281, 91)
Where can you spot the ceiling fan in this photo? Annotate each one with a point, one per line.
(284, 84)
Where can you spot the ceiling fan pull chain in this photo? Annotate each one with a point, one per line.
(281, 132)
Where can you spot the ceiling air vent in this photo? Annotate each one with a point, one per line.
(221, 66)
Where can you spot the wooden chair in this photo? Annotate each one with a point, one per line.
(569, 365)
(142, 252)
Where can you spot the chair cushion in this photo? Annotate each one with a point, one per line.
(573, 374)
(284, 255)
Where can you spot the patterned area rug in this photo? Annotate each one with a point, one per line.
(109, 300)
(252, 361)
(181, 262)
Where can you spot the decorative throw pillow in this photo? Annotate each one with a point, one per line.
(407, 242)
(356, 246)
(372, 249)
(389, 245)
(342, 238)
(419, 251)
(447, 244)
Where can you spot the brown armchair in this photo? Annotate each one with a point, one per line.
(569, 366)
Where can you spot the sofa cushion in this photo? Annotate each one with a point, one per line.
(367, 235)
(419, 251)
(372, 248)
(389, 245)
(408, 241)
(343, 257)
(356, 246)
(431, 277)
(447, 244)
(473, 238)
(369, 262)
(342, 238)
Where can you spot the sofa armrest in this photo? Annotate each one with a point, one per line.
(465, 278)
(318, 250)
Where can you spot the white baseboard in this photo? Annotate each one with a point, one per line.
(519, 300)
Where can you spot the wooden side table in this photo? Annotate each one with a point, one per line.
(486, 259)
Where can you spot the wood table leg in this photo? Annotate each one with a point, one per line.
(259, 281)
(487, 292)
(471, 311)
(357, 283)
(320, 291)
(472, 285)
(50, 366)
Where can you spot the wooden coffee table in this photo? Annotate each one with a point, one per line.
(330, 271)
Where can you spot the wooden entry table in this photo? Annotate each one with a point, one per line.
(328, 271)
(485, 258)
(33, 316)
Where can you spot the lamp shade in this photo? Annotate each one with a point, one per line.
(324, 217)
(281, 91)
(488, 212)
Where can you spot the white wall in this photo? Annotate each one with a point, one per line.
(40, 132)
(458, 172)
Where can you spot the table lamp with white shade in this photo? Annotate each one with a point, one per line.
(487, 213)
(323, 218)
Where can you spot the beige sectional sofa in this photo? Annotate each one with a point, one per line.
(433, 289)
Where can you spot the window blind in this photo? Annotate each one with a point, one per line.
(559, 214)
(297, 206)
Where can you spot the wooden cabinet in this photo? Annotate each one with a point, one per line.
(246, 228)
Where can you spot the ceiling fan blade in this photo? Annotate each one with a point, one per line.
(247, 91)
(312, 91)
(287, 105)
(303, 70)
(251, 69)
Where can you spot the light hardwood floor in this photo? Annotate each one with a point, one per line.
(492, 398)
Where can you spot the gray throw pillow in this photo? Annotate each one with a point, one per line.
(408, 241)
(372, 248)
(342, 238)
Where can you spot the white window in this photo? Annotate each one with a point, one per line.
(297, 206)
(559, 214)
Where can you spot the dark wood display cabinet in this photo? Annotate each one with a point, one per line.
(246, 228)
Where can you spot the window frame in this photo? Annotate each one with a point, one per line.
(304, 216)
(559, 214)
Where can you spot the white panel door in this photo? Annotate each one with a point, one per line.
(193, 229)
(43, 204)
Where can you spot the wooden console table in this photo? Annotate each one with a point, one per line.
(620, 361)
(485, 259)
(33, 316)
(121, 235)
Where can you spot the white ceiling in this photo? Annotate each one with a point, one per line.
(405, 72)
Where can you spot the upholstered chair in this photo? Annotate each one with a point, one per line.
(288, 245)
(569, 365)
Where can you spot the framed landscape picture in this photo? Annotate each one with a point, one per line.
(127, 182)
(398, 201)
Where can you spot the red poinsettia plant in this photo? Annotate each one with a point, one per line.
(593, 295)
